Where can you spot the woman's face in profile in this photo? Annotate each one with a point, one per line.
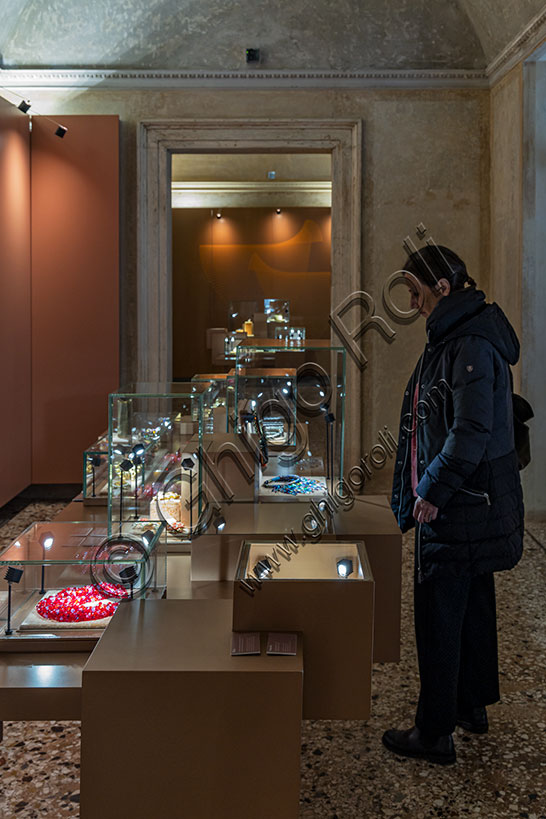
(422, 297)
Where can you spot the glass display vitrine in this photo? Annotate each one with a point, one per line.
(290, 334)
(231, 342)
(60, 578)
(309, 462)
(216, 400)
(277, 311)
(154, 440)
(95, 472)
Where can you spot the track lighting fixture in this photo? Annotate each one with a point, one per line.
(25, 105)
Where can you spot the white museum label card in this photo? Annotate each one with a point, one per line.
(245, 642)
(282, 643)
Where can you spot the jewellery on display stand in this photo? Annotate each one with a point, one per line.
(81, 603)
(294, 485)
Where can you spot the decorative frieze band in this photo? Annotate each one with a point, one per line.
(126, 79)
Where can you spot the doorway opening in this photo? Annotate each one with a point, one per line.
(251, 253)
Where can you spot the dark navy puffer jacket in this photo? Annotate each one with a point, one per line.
(466, 461)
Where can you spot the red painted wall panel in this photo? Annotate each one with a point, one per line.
(15, 405)
(75, 289)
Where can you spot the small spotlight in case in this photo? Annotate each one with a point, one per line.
(262, 568)
(12, 576)
(219, 522)
(344, 567)
(24, 106)
(129, 574)
(61, 131)
(252, 55)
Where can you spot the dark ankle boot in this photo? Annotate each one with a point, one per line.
(412, 743)
(474, 720)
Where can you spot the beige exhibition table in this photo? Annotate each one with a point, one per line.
(41, 685)
(214, 557)
(173, 725)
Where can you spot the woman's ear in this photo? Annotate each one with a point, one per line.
(444, 287)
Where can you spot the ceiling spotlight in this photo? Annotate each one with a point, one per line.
(24, 106)
(61, 131)
(219, 214)
(262, 568)
(279, 210)
(344, 567)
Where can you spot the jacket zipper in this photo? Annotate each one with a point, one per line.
(419, 570)
(477, 494)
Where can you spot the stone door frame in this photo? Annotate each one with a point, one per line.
(159, 139)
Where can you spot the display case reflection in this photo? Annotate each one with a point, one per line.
(70, 577)
(216, 400)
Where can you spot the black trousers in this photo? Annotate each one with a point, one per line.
(456, 634)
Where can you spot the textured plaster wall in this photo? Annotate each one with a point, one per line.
(213, 34)
(533, 383)
(506, 196)
(426, 159)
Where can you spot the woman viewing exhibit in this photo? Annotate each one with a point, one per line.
(457, 481)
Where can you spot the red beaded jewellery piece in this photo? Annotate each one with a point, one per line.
(81, 603)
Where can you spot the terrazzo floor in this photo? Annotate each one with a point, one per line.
(346, 772)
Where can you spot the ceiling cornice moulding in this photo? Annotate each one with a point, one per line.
(519, 49)
(248, 80)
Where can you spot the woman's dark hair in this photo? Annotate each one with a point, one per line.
(434, 262)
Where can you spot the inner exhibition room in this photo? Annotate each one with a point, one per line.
(272, 496)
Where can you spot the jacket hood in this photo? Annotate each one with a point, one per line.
(466, 313)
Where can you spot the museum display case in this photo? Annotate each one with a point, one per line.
(68, 578)
(277, 311)
(324, 589)
(217, 400)
(154, 438)
(290, 334)
(302, 418)
(265, 401)
(95, 472)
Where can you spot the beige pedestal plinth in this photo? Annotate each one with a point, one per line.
(334, 615)
(173, 726)
(214, 558)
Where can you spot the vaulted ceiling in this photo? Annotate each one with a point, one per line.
(335, 35)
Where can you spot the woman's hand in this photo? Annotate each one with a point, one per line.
(423, 511)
